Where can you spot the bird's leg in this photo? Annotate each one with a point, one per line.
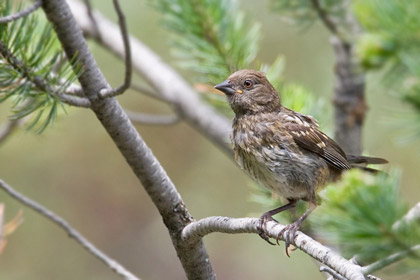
(267, 216)
(290, 230)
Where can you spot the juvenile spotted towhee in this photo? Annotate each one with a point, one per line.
(282, 149)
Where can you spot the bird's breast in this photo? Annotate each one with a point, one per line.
(272, 159)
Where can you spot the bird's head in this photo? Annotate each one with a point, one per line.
(249, 92)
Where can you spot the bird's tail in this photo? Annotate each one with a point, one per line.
(361, 162)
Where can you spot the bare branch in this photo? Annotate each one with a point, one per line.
(148, 92)
(8, 128)
(21, 14)
(389, 260)
(150, 119)
(196, 230)
(334, 275)
(323, 15)
(89, 12)
(161, 77)
(127, 50)
(75, 90)
(112, 264)
(74, 100)
(349, 86)
(412, 215)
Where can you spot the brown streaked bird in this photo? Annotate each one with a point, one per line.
(282, 149)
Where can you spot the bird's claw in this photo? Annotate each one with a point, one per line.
(262, 228)
(289, 233)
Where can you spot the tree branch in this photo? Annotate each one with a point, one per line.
(349, 87)
(151, 119)
(196, 230)
(8, 128)
(89, 12)
(158, 185)
(127, 50)
(148, 92)
(323, 15)
(74, 100)
(333, 275)
(112, 264)
(412, 215)
(21, 14)
(389, 260)
(161, 77)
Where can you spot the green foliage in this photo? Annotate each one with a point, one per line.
(359, 215)
(215, 38)
(391, 43)
(374, 50)
(210, 37)
(31, 72)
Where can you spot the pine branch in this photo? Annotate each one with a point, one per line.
(213, 38)
(79, 238)
(39, 81)
(21, 14)
(196, 230)
(389, 260)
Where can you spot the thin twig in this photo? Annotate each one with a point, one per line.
(8, 128)
(164, 80)
(389, 260)
(39, 81)
(334, 275)
(148, 92)
(74, 100)
(92, 18)
(75, 90)
(196, 230)
(128, 64)
(325, 18)
(112, 264)
(151, 119)
(21, 14)
(413, 215)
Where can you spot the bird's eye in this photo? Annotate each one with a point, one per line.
(248, 83)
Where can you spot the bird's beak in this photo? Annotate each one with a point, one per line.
(225, 87)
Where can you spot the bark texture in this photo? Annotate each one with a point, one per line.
(349, 98)
(140, 158)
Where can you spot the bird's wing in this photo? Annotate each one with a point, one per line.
(309, 119)
(306, 135)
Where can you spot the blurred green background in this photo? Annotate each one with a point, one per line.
(75, 170)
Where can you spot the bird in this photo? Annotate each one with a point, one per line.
(281, 149)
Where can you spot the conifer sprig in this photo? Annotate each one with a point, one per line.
(32, 74)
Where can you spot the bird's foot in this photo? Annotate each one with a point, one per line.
(262, 227)
(289, 233)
